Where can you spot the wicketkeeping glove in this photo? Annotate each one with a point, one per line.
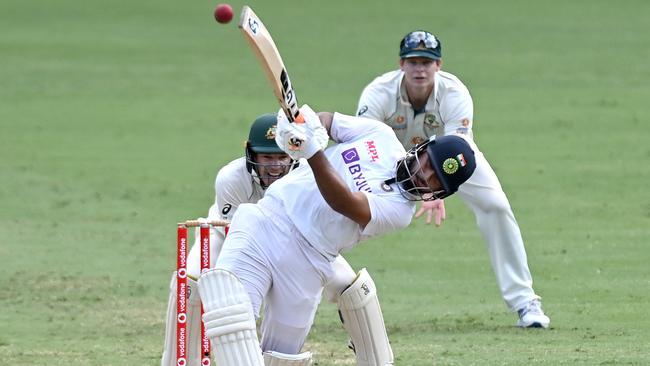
(311, 134)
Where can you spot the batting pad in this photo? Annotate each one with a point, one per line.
(272, 358)
(229, 320)
(193, 325)
(362, 318)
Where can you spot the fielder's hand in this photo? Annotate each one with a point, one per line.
(435, 207)
(311, 135)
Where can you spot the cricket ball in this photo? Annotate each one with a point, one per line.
(223, 13)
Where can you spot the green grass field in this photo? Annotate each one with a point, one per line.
(115, 117)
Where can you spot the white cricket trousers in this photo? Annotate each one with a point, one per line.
(484, 195)
(277, 266)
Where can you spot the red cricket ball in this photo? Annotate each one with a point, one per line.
(223, 13)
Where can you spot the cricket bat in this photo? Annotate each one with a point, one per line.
(267, 54)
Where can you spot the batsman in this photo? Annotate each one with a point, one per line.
(245, 180)
(280, 250)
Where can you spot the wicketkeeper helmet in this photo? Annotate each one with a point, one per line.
(261, 140)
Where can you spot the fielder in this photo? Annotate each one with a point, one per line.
(420, 100)
(245, 180)
(279, 251)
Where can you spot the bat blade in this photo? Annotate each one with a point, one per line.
(262, 44)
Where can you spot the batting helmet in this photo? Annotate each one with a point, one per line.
(451, 158)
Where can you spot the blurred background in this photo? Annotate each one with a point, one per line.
(116, 115)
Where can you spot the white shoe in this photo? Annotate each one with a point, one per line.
(532, 316)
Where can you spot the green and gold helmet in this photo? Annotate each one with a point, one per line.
(261, 141)
(261, 138)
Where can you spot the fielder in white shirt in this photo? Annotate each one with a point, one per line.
(418, 101)
(279, 251)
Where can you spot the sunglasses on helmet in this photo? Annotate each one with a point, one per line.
(413, 40)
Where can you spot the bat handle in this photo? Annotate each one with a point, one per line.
(300, 118)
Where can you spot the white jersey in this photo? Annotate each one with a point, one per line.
(233, 186)
(365, 156)
(448, 110)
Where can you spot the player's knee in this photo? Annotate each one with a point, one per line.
(343, 277)
(487, 201)
(283, 338)
(228, 319)
(227, 306)
(497, 203)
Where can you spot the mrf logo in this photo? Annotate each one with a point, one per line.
(351, 157)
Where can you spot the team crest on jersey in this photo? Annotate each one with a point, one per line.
(399, 119)
(466, 122)
(270, 133)
(450, 166)
(430, 120)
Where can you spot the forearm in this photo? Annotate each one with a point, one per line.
(326, 120)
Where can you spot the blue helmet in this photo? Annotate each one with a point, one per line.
(452, 159)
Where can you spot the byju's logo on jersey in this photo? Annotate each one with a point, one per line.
(351, 156)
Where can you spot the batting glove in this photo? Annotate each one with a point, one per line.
(301, 140)
(318, 132)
